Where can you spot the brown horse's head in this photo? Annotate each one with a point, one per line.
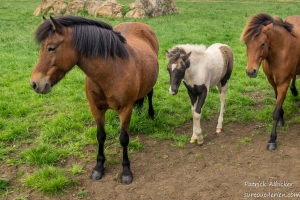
(57, 56)
(178, 63)
(255, 36)
(256, 40)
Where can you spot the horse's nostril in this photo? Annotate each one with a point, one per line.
(34, 85)
(254, 71)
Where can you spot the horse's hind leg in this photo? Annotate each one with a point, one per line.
(139, 103)
(293, 87)
(125, 116)
(150, 110)
(223, 92)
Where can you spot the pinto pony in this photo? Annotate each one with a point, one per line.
(120, 64)
(200, 69)
(276, 44)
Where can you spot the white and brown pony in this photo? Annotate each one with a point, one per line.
(200, 69)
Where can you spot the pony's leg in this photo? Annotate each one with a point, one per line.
(293, 87)
(98, 171)
(273, 84)
(223, 92)
(197, 131)
(150, 110)
(139, 103)
(277, 114)
(125, 116)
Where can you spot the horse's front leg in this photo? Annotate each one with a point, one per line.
(125, 116)
(197, 131)
(223, 92)
(277, 115)
(98, 171)
(196, 111)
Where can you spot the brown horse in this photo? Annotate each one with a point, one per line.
(120, 64)
(276, 44)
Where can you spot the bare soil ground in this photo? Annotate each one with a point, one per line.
(222, 168)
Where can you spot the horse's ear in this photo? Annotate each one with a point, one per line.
(266, 28)
(167, 53)
(186, 56)
(44, 18)
(56, 26)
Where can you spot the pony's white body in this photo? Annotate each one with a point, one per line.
(207, 68)
(207, 65)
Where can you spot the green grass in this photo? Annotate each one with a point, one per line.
(49, 180)
(41, 130)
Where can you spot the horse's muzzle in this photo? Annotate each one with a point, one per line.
(41, 88)
(252, 73)
(172, 92)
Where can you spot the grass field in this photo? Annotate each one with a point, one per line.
(40, 130)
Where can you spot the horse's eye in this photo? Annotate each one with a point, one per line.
(262, 45)
(51, 49)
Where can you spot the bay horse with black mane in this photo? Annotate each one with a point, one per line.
(120, 64)
(276, 44)
(200, 68)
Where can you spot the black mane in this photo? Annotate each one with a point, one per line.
(90, 37)
(175, 53)
(255, 24)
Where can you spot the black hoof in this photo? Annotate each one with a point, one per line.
(280, 123)
(126, 179)
(97, 175)
(271, 146)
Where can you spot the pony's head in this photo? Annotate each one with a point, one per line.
(255, 36)
(66, 39)
(57, 56)
(178, 62)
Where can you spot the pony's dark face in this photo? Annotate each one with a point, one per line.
(57, 57)
(257, 51)
(176, 69)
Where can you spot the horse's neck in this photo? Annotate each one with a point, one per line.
(282, 39)
(100, 69)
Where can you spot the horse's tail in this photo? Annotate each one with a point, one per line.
(228, 62)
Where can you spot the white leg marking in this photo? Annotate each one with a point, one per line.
(223, 91)
(197, 131)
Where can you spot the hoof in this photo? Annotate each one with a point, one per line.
(97, 175)
(199, 141)
(280, 123)
(126, 179)
(271, 146)
(218, 130)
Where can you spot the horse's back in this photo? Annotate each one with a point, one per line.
(295, 20)
(136, 31)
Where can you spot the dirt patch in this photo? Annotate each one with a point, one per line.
(226, 166)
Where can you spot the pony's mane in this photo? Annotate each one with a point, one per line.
(255, 24)
(89, 37)
(180, 50)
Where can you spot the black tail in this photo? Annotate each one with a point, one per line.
(293, 87)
